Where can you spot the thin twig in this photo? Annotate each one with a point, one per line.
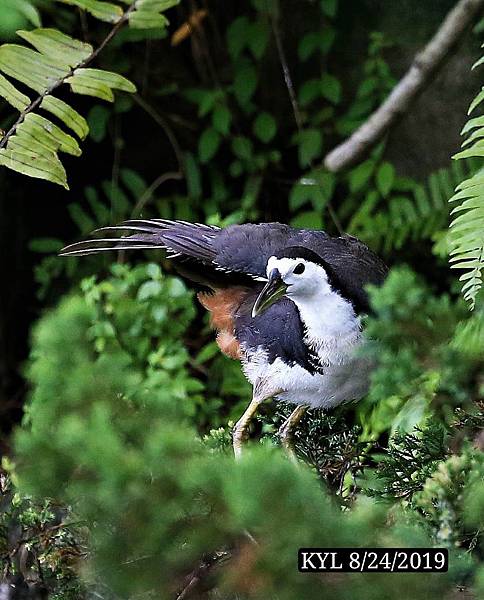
(424, 66)
(148, 193)
(84, 27)
(334, 217)
(286, 72)
(35, 103)
(196, 576)
(166, 128)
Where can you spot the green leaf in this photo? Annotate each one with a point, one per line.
(316, 187)
(329, 7)
(360, 175)
(221, 118)
(149, 289)
(310, 90)
(242, 147)
(300, 194)
(472, 123)
(133, 181)
(258, 39)
(245, 84)
(58, 46)
(476, 150)
(33, 165)
(81, 218)
(265, 127)
(327, 39)
(478, 63)
(98, 121)
(308, 45)
(208, 144)
(208, 352)
(112, 80)
(45, 131)
(330, 88)
(30, 67)
(155, 5)
(104, 11)
(237, 36)
(147, 20)
(25, 8)
(67, 114)
(308, 220)
(45, 245)
(323, 188)
(385, 176)
(310, 146)
(475, 103)
(88, 87)
(12, 95)
(26, 141)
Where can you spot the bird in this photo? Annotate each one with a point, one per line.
(287, 303)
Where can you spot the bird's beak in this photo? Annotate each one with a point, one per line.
(274, 289)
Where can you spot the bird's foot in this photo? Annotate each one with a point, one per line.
(262, 391)
(286, 431)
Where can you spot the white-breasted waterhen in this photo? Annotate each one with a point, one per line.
(286, 302)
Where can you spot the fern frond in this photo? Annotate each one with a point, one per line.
(416, 211)
(33, 143)
(25, 8)
(469, 335)
(466, 232)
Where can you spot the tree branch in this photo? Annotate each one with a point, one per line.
(424, 66)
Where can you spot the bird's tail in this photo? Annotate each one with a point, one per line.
(178, 238)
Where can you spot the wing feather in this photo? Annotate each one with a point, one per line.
(238, 252)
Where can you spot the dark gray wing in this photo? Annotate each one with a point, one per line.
(239, 250)
(353, 265)
(192, 246)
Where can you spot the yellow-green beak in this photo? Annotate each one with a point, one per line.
(274, 289)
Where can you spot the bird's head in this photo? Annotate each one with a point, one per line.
(296, 273)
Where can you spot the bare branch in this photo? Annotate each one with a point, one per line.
(424, 66)
(286, 72)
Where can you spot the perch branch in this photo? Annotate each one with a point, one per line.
(35, 103)
(424, 66)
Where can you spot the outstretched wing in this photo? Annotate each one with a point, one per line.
(192, 246)
(238, 253)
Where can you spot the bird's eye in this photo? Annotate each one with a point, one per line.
(299, 268)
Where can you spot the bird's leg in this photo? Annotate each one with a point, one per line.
(286, 431)
(262, 391)
(241, 429)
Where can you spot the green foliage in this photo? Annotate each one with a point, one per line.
(419, 370)
(40, 543)
(447, 494)
(107, 430)
(32, 144)
(401, 211)
(466, 233)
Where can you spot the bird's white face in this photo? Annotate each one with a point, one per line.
(295, 278)
(301, 277)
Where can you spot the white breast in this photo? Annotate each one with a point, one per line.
(333, 331)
